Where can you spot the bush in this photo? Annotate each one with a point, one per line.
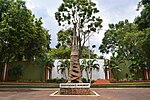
(57, 80)
(84, 80)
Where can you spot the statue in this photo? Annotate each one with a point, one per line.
(74, 71)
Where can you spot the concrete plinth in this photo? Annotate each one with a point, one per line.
(75, 88)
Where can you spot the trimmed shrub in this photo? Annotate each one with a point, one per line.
(57, 80)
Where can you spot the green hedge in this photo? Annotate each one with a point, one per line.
(57, 80)
(122, 86)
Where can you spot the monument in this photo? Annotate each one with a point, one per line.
(74, 86)
(74, 71)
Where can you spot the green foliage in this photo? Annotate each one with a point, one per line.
(63, 67)
(81, 12)
(125, 42)
(64, 38)
(86, 51)
(64, 51)
(50, 63)
(60, 53)
(84, 80)
(44, 60)
(21, 34)
(143, 20)
(57, 80)
(129, 47)
(89, 66)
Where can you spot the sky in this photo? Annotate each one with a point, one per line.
(111, 11)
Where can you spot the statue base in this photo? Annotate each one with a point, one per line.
(75, 89)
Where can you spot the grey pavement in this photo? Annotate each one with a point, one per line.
(105, 94)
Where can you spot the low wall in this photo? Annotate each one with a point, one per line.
(75, 88)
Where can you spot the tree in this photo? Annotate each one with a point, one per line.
(63, 46)
(121, 40)
(63, 67)
(92, 66)
(64, 38)
(82, 13)
(143, 20)
(21, 34)
(60, 53)
(83, 66)
(89, 66)
(126, 42)
(50, 65)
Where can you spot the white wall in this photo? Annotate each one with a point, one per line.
(95, 74)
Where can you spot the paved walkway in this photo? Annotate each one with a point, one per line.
(105, 94)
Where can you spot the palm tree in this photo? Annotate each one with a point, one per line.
(92, 66)
(113, 66)
(50, 65)
(85, 67)
(63, 67)
(89, 66)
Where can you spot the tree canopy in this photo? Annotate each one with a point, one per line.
(21, 34)
(63, 47)
(83, 13)
(143, 20)
(130, 41)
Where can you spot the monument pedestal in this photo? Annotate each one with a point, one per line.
(75, 88)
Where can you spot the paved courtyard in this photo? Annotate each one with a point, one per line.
(44, 94)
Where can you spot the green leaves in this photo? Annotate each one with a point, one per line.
(143, 20)
(60, 53)
(81, 12)
(21, 34)
(64, 38)
(89, 66)
(126, 42)
(63, 67)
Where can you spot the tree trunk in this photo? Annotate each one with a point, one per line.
(5, 72)
(106, 74)
(146, 71)
(110, 74)
(90, 75)
(74, 71)
(87, 74)
(46, 73)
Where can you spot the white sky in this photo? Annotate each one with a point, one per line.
(111, 11)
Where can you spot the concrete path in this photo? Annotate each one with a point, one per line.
(44, 94)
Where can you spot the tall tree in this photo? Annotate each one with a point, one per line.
(83, 13)
(60, 53)
(143, 20)
(64, 38)
(21, 34)
(126, 43)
